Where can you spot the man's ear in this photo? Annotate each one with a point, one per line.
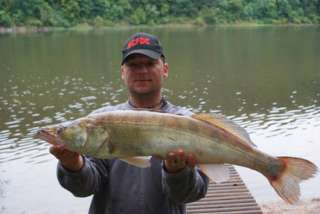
(122, 73)
(165, 70)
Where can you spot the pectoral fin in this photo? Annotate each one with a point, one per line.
(138, 161)
(216, 172)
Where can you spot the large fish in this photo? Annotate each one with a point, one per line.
(213, 140)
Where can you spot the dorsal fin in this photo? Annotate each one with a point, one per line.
(222, 122)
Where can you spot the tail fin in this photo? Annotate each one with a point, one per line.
(287, 183)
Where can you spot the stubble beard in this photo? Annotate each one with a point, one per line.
(145, 95)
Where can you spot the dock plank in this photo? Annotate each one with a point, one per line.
(232, 197)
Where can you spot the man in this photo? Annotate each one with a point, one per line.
(118, 187)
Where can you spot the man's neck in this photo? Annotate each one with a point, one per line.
(145, 102)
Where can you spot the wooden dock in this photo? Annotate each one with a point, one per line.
(230, 197)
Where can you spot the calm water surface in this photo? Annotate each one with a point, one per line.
(266, 79)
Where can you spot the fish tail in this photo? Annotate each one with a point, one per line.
(295, 170)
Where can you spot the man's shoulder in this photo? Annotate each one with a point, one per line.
(174, 109)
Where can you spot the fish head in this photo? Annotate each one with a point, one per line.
(73, 134)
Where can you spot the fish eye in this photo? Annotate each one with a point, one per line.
(60, 130)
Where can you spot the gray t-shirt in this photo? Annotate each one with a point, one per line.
(118, 187)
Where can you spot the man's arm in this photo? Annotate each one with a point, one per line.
(80, 175)
(181, 180)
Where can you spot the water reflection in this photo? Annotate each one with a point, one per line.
(264, 79)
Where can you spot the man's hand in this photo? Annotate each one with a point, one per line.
(177, 160)
(70, 160)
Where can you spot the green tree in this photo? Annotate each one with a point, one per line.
(138, 17)
(98, 12)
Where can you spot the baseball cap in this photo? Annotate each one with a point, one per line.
(142, 43)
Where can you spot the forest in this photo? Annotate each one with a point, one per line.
(69, 13)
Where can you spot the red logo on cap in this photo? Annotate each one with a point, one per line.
(138, 41)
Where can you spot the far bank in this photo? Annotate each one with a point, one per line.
(86, 27)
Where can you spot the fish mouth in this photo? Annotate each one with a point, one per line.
(49, 135)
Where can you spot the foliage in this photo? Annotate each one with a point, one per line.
(68, 13)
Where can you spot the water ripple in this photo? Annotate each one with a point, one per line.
(280, 121)
(28, 106)
(59, 100)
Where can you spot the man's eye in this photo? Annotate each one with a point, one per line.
(60, 130)
(133, 65)
(139, 65)
(150, 64)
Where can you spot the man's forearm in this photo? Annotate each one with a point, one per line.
(83, 182)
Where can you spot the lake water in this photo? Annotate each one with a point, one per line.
(266, 79)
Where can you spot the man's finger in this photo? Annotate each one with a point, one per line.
(71, 160)
(54, 150)
(191, 160)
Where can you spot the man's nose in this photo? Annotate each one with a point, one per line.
(143, 68)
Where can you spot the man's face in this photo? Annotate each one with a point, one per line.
(143, 75)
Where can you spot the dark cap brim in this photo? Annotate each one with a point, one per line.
(149, 53)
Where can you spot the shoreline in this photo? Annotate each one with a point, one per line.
(305, 206)
(86, 27)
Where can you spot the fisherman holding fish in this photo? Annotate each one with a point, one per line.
(118, 186)
(140, 156)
